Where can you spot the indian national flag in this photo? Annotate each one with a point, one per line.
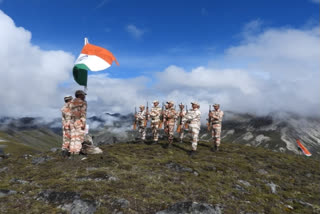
(93, 58)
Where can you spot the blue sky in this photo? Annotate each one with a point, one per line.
(147, 36)
(258, 56)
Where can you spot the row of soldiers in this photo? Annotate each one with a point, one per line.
(186, 120)
(75, 138)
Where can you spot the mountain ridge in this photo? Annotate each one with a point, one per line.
(277, 131)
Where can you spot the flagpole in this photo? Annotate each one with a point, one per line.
(86, 41)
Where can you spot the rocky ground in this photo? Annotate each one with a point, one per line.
(142, 178)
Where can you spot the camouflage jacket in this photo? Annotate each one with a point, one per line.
(155, 114)
(78, 109)
(170, 115)
(219, 115)
(141, 116)
(193, 117)
(66, 116)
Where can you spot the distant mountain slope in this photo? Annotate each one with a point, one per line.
(277, 131)
(33, 133)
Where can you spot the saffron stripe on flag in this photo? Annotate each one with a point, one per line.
(106, 55)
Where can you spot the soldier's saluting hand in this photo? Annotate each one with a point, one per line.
(216, 121)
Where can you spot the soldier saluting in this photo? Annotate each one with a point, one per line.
(216, 120)
(193, 119)
(180, 126)
(170, 117)
(78, 107)
(155, 120)
(140, 118)
(66, 121)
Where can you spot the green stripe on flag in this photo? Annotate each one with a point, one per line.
(80, 74)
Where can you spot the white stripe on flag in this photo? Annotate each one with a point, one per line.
(94, 63)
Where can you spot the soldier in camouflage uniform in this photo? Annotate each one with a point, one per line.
(193, 118)
(140, 118)
(155, 120)
(170, 118)
(180, 115)
(216, 120)
(166, 107)
(78, 107)
(66, 120)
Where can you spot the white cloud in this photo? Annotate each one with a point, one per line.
(135, 31)
(271, 70)
(252, 28)
(315, 1)
(275, 70)
(29, 76)
(115, 95)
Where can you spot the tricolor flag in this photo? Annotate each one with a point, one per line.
(93, 58)
(303, 149)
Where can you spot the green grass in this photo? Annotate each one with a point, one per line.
(29, 141)
(13, 147)
(143, 179)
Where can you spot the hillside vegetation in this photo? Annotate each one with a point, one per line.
(142, 178)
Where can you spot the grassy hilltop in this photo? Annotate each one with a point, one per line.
(141, 178)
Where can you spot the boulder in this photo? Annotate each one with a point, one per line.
(121, 203)
(190, 207)
(178, 168)
(6, 192)
(40, 160)
(273, 187)
(68, 201)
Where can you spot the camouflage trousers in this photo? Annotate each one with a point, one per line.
(195, 135)
(216, 134)
(169, 130)
(142, 131)
(77, 137)
(66, 137)
(181, 135)
(155, 130)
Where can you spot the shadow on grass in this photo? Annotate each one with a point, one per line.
(181, 148)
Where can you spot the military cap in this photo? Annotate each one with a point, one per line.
(196, 103)
(78, 92)
(218, 105)
(155, 101)
(170, 102)
(141, 106)
(67, 98)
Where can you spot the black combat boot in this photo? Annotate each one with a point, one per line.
(217, 148)
(65, 153)
(192, 153)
